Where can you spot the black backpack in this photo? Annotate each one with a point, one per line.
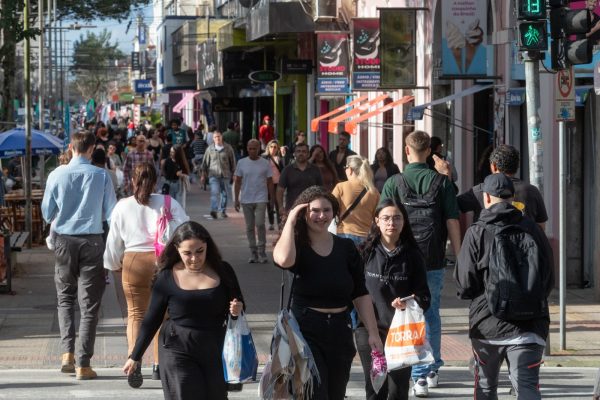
(426, 219)
(514, 284)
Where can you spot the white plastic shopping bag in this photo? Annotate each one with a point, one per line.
(406, 343)
(240, 361)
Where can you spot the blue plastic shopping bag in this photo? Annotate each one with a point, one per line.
(240, 361)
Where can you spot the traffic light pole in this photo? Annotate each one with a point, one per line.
(534, 133)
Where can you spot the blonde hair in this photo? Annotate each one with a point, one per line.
(361, 168)
(65, 157)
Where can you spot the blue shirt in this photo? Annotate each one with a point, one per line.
(79, 196)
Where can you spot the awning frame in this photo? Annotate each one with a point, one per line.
(350, 126)
(416, 113)
(315, 122)
(187, 96)
(333, 123)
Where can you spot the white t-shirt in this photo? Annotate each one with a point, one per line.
(254, 174)
(133, 227)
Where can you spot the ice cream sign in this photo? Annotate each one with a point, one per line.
(464, 38)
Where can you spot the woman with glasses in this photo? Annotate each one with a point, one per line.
(273, 156)
(318, 157)
(358, 199)
(199, 290)
(394, 269)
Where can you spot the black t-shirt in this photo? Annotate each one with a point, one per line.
(527, 195)
(171, 169)
(295, 181)
(332, 281)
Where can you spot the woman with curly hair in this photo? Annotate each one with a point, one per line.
(394, 269)
(318, 157)
(328, 276)
(383, 167)
(199, 289)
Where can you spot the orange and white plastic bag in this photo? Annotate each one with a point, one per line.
(406, 343)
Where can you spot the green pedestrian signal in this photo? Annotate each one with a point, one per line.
(531, 9)
(533, 36)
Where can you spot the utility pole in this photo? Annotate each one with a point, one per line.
(41, 69)
(534, 133)
(27, 68)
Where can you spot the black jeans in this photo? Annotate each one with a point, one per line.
(329, 337)
(397, 383)
(273, 210)
(191, 365)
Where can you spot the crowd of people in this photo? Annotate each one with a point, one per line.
(357, 238)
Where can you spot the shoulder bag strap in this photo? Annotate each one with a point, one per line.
(354, 204)
(289, 303)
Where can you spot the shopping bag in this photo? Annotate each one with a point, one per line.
(165, 226)
(406, 343)
(240, 361)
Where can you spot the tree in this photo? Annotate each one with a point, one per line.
(12, 32)
(93, 66)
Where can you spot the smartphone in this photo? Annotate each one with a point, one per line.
(412, 296)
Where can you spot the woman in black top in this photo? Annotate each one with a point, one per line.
(394, 268)
(175, 169)
(329, 277)
(383, 167)
(198, 289)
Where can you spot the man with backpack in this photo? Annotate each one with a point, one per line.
(505, 267)
(430, 201)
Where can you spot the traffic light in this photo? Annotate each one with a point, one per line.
(566, 49)
(532, 25)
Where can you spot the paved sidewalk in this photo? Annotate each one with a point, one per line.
(29, 335)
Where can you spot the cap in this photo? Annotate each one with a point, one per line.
(266, 118)
(499, 185)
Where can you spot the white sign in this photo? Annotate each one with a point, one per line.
(564, 104)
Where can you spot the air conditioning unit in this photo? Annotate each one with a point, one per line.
(324, 10)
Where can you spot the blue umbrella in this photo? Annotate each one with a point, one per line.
(12, 143)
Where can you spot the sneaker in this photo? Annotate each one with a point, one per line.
(224, 215)
(262, 258)
(271, 228)
(253, 259)
(432, 379)
(420, 388)
(155, 372)
(213, 214)
(136, 379)
(85, 373)
(68, 363)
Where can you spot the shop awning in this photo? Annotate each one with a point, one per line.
(314, 123)
(333, 123)
(350, 126)
(187, 96)
(416, 113)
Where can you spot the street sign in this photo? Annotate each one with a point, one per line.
(264, 76)
(564, 104)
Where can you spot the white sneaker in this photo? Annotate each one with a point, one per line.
(420, 388)
(432, 379)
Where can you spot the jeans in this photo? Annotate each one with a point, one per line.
(79, 277)
(175, 189)
(523, 367)
(254, 215)
(355, 238)
(433, 323)
(219, 193)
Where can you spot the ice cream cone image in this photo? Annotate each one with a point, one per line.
(457, 54)
(456, 44)
(470, 54)
(473, 37)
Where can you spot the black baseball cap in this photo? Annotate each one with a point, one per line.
(499, 185)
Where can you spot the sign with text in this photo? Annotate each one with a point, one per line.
(366, 61)
(464, 49)
(300, 67)
(398, 48)
(332, 63)
(564, 104)
(210, 68)
(135, 61)
(142, 85)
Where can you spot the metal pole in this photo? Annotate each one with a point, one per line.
(50, 58)
(62, 56)
(41, 65)
(534, 133)
(27, 74)
(562, 235)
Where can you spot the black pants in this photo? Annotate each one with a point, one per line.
(191, 366)
(397, 383)
(273, 210)
(329, 337)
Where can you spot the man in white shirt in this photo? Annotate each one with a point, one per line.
(253, 187)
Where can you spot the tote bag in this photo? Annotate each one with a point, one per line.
(240, 360)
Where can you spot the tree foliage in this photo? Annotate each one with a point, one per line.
(94, 59)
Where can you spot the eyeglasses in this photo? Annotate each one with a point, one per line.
(387, 218)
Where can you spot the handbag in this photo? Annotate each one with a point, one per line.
(240, 360)
(165, 226)
(406, 343)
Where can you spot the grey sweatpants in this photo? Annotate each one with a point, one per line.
(523, 361)
(254, 215)
(79, 276)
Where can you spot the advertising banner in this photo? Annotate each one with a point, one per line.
(210, 66)
(366, 61)
(398, 48)
(464, 49)
(332, 63)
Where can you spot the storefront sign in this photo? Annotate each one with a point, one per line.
(515, 97)
(135, 61)
(398, 48)
(366, 61)
(209, 61)
(299, 67)
(142, 85)
(464, 49)
(332, 68)
(264, 76)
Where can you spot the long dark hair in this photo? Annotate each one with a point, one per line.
(310, 194)
(406, 236)
(326, 161)
(388, 162)
(181, 160)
